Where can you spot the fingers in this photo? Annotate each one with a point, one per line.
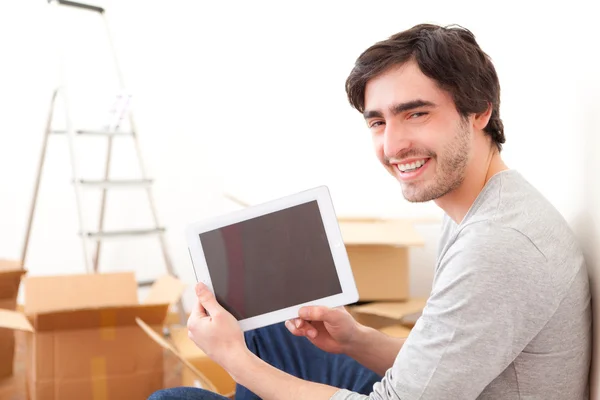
(315, 313)
(199, 310)
(299, 327)
(207, 303)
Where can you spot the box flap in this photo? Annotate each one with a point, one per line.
(392, 232)
(206, 384)
(14, 320)
(107, 317)
(393, 310)
(71, 292)
(184, 344)
(397, 331)
(10, 278)
(166, 290)
(10, 265)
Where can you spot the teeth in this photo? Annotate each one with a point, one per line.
(411, 166)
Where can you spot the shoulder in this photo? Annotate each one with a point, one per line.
(490, 255)
(492, 265)
(490, 239)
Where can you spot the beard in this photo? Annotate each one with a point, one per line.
(451, 165)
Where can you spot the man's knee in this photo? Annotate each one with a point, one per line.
(267, 333)
(184, 393)
(160, 395)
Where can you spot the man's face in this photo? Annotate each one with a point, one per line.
(418, 134)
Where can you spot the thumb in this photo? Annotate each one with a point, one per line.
(207, 300)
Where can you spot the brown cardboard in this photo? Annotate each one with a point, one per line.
(191, 370)
(86, 342)
(222, 381)
(399, 331)
(378, 251)
(386, 232)
(15, 321)
(67, 292)
(10, 278)
(200, 370)
(379, 315)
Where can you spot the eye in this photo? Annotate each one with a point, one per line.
(417, 115)
(375, 124)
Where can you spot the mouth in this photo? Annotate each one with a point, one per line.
(411, 170)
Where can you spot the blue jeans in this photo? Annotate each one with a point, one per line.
(294, 355)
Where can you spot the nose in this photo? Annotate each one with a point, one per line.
(395, 140)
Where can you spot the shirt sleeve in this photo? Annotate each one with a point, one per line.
(491, 295)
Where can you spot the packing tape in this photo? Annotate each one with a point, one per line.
(99, 385)
(108, 322)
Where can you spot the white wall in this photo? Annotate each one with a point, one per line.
(221, 91)
(587, 223)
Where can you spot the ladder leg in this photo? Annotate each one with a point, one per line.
(70, 133)
(76, 181)
(161, 236)
(132, 126)
(103, 202)
(138, 151)
(36, 187)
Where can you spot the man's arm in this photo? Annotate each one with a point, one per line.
(335, 330)
(268, 382)
(374, 349)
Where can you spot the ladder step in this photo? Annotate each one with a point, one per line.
(124, 233)
(94, 132)
(77, 4)
(115, 183)
(145, 283)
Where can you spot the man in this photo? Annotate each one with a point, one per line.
(509, 315)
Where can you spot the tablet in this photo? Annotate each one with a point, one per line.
(266, 261)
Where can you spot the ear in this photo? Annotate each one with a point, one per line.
(481, 120)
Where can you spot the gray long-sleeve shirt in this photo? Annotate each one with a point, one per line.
(509, 315)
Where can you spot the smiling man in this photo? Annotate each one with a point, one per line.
(509, 314)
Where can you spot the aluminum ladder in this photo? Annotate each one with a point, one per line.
(94, 238)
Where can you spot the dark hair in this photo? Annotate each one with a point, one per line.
(448, 55)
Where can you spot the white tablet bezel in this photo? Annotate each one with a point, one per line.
(321, 194)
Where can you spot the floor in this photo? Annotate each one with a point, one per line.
(14, 388)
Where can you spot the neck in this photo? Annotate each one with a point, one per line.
(458, 202)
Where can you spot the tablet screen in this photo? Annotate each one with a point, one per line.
(271, 262)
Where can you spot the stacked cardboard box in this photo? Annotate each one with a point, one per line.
(378, 250)
(379, 254)
(10, 278)
(85, 341)
(393, 318)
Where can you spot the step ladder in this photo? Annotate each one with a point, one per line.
(92, 239)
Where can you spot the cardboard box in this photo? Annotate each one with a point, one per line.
(398, 331)
(223, 382)
(379, 315)
(85, 343)
(200, 371)
(378, 251)
(10, 279)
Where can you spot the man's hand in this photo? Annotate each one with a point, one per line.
(330, 329)
(214, 330)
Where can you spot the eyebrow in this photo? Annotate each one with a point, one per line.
(399, 108)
